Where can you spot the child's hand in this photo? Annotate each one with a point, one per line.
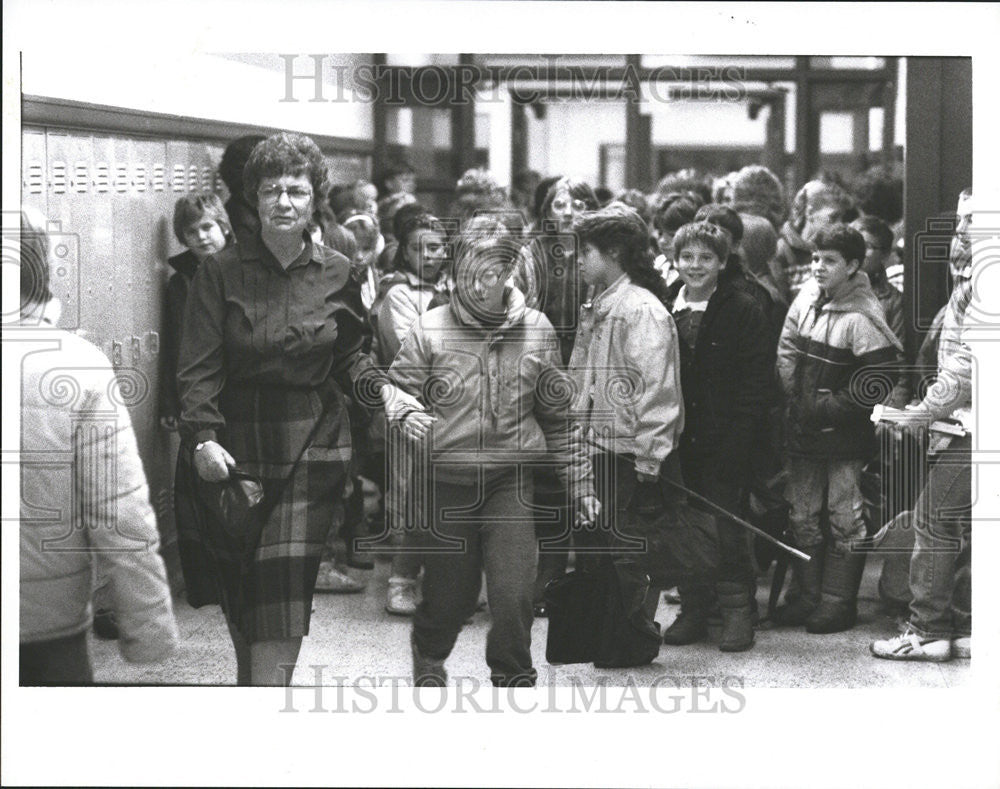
(588, 510)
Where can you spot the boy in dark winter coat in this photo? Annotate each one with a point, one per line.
(726, 367)
(836, 360)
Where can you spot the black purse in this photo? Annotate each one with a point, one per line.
(597, 616)
(233, 506)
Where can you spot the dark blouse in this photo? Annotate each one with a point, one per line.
(248, 321)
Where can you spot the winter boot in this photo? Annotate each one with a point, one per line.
(838, 607)
(810, 578)
(691, 625)
(737, 625)
(427, 672)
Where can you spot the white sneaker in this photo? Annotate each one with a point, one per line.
(961, 648)
(910, 646)
(401, 598)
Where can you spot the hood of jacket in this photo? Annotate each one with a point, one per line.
(857, 296)
(514, 307)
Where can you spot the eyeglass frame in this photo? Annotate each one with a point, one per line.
(271, 193)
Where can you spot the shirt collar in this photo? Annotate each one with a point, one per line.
(603, 302)
(256, 249)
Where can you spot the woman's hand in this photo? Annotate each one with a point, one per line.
(212, 462)
(417, 425)
(169, 423)
(406, 411)
(588, 510)
(646, 478)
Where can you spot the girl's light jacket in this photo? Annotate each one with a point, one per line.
(626, 370)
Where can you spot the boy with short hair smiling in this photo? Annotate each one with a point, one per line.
(726, 367)
(836, 349)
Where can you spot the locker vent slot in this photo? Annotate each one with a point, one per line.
(34, 178)
(81, 177)
(58, 177)
(121, 177)
(102, 177)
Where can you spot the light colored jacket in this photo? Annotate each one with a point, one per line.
(626, 367)
(402, 303)
(498, 393)
(84, 501)
(951, 393)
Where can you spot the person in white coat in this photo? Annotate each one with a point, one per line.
(84, 499)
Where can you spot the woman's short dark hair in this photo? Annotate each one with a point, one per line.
(34, 258)
(234, 159)
(707, 234)
(618, 229)
(190, 208)
(287, 154)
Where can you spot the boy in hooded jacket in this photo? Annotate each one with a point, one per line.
(837, 358)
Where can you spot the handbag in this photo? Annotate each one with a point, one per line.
(233, 506)
(597, 616)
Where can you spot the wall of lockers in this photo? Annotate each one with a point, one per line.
(109, 199)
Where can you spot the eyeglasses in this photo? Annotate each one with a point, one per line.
(271, 193)
(560, 204)
(489, 277)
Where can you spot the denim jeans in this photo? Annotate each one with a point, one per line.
(940, 568)
(488, 526)
(811, 482)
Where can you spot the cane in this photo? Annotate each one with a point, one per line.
(736, 519)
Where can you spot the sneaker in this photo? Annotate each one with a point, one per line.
(961, 648)
(401, 597)
(910, 646)
(335, 581)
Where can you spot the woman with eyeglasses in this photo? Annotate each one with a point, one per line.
(274, 334)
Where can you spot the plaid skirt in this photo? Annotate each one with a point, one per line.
(298, 443)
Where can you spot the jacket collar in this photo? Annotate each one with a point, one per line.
(514, 304)
(185, 263)
(857, 296)
(603, 303)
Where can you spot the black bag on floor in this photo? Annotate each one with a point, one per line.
(597, 616)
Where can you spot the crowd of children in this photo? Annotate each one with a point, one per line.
(566, 362)
(707, 336)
